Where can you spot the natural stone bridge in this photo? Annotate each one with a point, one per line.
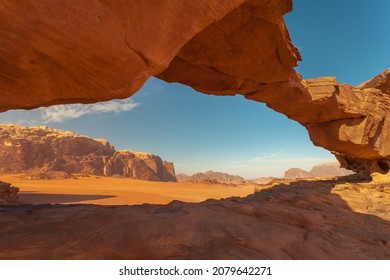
(56, 52)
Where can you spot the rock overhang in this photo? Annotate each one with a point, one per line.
(83, 52)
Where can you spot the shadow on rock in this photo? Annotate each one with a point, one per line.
(301, 220)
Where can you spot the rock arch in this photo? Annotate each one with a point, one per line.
(87, 51)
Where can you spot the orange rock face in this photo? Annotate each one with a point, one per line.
(351, 122)
(55, 52)
(62, 51)
(249, 46)
(48, 153)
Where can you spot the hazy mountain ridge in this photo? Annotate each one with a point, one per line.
(329, 169)
(211, 177)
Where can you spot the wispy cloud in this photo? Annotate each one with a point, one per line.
(278, 157)
(274, 164)
(62, 113)
(258, 159)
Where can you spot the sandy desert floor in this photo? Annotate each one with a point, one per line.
(117, 191)
(306, 219)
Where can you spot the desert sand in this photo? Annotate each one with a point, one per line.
(306, 219)
(117, 191)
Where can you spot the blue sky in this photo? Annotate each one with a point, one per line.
(346, 39)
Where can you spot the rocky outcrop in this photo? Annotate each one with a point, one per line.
(139, 165)
(350, 121)
(295, 172)
(89, 51)
(211, 177)
(329, 169)
(302, 220)
(45, 153)
(8, 193)
(42, 174)
(381, 82)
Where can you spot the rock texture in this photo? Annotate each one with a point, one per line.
(248, 47)
(88, 51)
(45, 153)
(211, 177)
(350, 121)
(44, 174)
(381, 82)
(329, 169)
(303, 220)
(8, 193)
(55, 52)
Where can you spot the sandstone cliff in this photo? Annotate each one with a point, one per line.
(330, 169)
(45, 150)
(211, 177)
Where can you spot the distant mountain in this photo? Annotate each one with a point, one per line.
(261, 180)
(47, 153)
(330, 169)
(211, 177)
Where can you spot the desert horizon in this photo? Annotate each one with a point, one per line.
(195, 130)
(118, 191)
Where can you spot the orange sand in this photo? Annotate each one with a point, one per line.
(117, 191)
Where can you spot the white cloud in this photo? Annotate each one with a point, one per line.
(259, 159)
(61, 113)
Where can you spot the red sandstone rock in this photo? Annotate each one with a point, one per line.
(302, 220)
(54, 52)
(42, 150)
(249, 46)
(57, 51)
(8, 193)
(381, 82)
(351, 122)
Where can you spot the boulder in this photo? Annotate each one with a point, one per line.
(8, 193)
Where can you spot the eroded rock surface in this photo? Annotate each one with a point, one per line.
(303, 220)
(352, 122)
(248, 47)
(41, 151)
(55, 52)
(8, 193)
(89, 51)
